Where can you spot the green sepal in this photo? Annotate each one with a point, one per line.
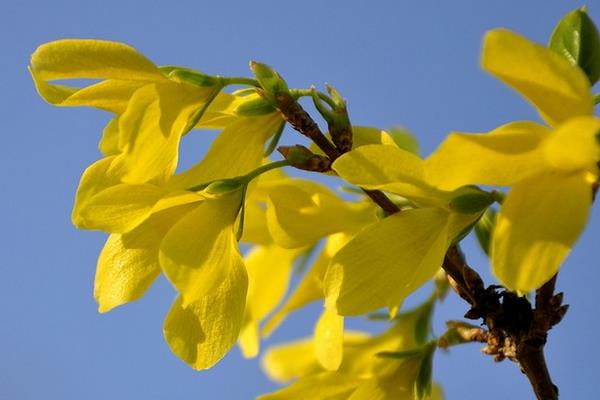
(187, 75)
(225, 186)
(422, 387)
(576, 38)
(470, 199)
(275, 140)
(484, 229)
(241, 214)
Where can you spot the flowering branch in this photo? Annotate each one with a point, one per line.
(516, 330)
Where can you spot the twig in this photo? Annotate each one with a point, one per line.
(516, 331)
(302, 122)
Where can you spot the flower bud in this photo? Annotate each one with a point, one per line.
(271, 82)
(302, 158)
(576, 38)
(470, 199)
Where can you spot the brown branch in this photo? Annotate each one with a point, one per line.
(515, 330)
(302, 122)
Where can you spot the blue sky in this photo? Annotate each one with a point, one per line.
(413, 64)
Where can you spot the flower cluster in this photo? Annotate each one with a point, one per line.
(189, 225)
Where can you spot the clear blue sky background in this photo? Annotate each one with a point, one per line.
(397, 62)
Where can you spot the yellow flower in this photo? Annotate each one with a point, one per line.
(361, 375)
(550, 169)
(156, 223)
(388, 260)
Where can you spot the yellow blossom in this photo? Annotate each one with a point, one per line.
(550, 168)
(362, 374)
(392, 258)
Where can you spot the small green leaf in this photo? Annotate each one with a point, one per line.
(423, 323)
(484, 229)
(470, 199)
(422, 387)
(400, 355)
(576, 38)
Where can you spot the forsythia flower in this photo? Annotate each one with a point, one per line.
(298, 214)
(389, 260)
(362, 374)
(155, 223)
(551, 169)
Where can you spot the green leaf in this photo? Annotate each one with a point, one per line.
(400, 355)
(576, 38)
(484, 229)
(422, 386)
(470, 199)
(423, 323)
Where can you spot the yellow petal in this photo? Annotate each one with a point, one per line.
(269, 269)
(128, 263)
(387, 261)
(109, 143)
(574, 146)
(503, 156)
(177, 198)
(151, 128)
(119, 208)
(360, 355)
(95, 59)
(310, 287)
(329, 339)
(288, 361)
(363, 135)
(301, 212)
(99, 176)
(202, 332)
(110, 95)
(238, 150)
(389, 168)
(396, 383)
(199, 252)
(324, 386)
(255, 223)
(555, 87)
(219, 113)
(536, 227)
